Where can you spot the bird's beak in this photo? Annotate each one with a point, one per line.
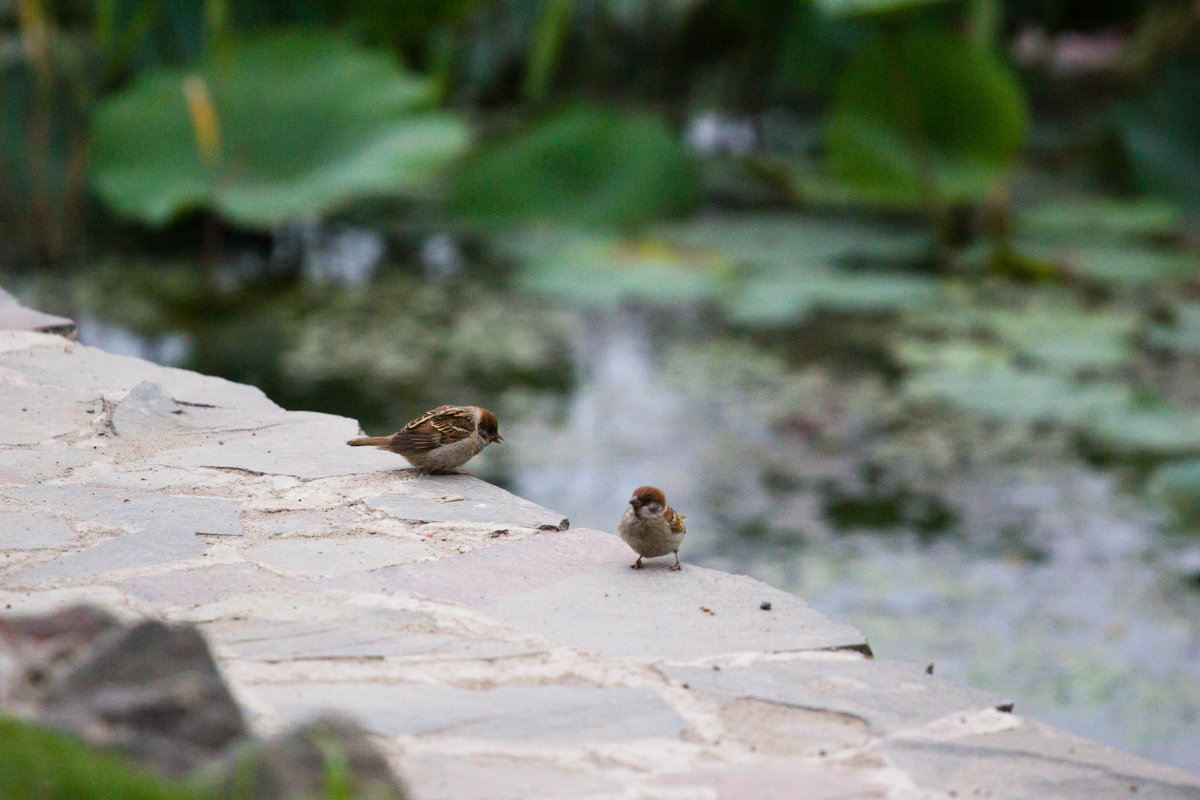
(497, 439)
(633, 501)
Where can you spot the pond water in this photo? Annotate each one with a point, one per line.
(989, 547)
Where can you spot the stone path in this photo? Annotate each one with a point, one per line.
(494, 652)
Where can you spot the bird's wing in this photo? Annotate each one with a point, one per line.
(442, 425)
(675, 521)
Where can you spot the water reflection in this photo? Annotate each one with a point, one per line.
(989, 550)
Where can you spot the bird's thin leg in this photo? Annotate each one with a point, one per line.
(676, 568)
(637, 564)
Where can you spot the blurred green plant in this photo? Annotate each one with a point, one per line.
(280, 128)
(583, 167)
(924, 119)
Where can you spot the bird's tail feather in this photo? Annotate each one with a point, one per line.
(371, 441)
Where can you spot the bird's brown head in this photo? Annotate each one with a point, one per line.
(489, 426)
(648, 501)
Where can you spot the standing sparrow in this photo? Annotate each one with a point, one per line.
(440, 440)
(651, 527)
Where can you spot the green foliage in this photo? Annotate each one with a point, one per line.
(284, 127)
(865, 7)
(585, 167)
(924, 118)
(1161, 136)
(39, 764)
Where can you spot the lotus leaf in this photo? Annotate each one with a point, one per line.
(1182, 335)
(1104, 217)
(921, 114)
(1005, 392)
(284, 127)
(1155, 432)
(584, 168)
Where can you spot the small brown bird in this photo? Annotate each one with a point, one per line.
(441, 439)
(651, 527)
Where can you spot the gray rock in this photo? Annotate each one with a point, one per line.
(1034, 760)
(16, 317)
(576, 588)
(268, 640)
(151, 691)
(481, 776)
(326, 757)
(204, 585)
(520, 713)
(146, 410)
(772, 780)
(888, 695)
(43, 645)
(462, 498)
(22, 531)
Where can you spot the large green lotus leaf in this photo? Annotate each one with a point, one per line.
(585, 167)
(1008, 393)
(1101, 217)
(606, 271)
(303, 122)
(1125, 264)
(925, 112)
(1162, 135)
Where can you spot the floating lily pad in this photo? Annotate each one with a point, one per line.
(1182, 334)
(1009, 393)
(1178, 485)
(1105, 217)
(606, 271)
(1067, 338)
(285, 127)
(1126, 264)
(774, 297)
(956, 354)
(1154, 433)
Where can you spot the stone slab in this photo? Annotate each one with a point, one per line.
(333, 639)
(890, 696)
(513, 713)
(473, 776)
(58, 362)
(35, 466)
(575, 587)
(16, 317)
(137, 510)
(1034, 760)
(336, 556)
(23, 531)
(162, 528)
(776, 780)
(34, 413)
(462, 498)
(306, 446)
(198, 586)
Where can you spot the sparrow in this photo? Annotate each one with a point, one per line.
(651, 527)
(441, 439)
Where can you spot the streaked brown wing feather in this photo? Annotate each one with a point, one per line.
(675, 521)
(442, 425)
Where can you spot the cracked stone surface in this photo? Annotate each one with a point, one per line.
(526, 664)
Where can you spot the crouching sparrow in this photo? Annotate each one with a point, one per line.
(440, 440)
(651, 527)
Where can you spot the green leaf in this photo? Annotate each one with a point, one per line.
(606, 271)
(1066, 338)
(1155, 432)
(300, 124)
(1182, 334)
(1178, 485)
(1008, 393)
(1161, 135)
(1105, 217)
(925, 114)
(863, 7)
(582, 168)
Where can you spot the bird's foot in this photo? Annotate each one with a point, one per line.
(676, 568)
(637, 564)
(450, 472)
